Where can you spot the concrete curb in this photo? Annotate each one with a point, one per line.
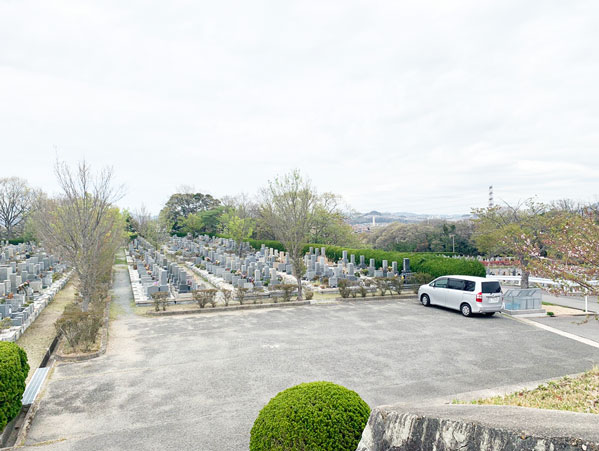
(229, 308)
(378, 298)
(29, 417)
(473, 427)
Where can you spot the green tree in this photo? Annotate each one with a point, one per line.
(330, 223)
(181, 205)
(238, 221)
(289, 204)
(209, 221)
(240, 229)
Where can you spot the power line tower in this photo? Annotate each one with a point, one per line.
(491, 203)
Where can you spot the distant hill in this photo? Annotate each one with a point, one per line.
(405, 217)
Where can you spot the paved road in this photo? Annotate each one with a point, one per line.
(572, 302)
(586, 326)
(198, 382)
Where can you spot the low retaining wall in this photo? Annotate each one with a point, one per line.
(229, 308)
(478, 427)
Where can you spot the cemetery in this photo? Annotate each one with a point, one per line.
(264, 275)
(29, 280)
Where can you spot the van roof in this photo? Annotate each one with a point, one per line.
(473, 278)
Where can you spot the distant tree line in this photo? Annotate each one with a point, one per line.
(429, 236)
(242, 217)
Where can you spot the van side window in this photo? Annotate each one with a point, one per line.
(470, 285)
(441, 283)
(456, 284)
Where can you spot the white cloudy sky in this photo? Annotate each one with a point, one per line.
(397, 105)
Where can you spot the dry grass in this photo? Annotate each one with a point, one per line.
(65, 349)
(39, 335)
(577, 394)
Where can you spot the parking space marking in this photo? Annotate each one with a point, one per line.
(586, 341)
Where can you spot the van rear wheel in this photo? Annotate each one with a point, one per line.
(465, 309)
(426, 301)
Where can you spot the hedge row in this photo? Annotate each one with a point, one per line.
(13, 372)
(435, 264)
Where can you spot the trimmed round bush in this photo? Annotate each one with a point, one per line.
(311, 416)
(13, 372)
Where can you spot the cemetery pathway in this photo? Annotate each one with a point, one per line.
(199, 381)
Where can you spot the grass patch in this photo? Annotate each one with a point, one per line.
(576, 394)
(115, 310)
(41, 332)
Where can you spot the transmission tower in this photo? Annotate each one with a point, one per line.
(491, 203)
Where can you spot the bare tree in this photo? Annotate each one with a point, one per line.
(83, 226)
(15, 201)
(288, 205)
(143, 217)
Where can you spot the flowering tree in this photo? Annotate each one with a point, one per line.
(568, 251)
(500, 230)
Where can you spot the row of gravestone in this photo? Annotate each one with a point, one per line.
(259, 268)
(156, 272)
(26, 271)
(222, 257)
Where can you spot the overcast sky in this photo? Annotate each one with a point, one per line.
(398, 106)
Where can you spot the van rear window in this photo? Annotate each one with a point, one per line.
(491, 287)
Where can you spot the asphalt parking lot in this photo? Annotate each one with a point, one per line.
(198, 382)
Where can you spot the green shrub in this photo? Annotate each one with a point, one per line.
(311, 416)
(363, 290)
(240, 294)
(80, 329)
(227, 295)
(396, 284)
(382, 284)
(5, 323)
(420, 278)
(287, 289)
(160, 299)
(13, 372)
(436, 264)
(308, 294)
(344, 288)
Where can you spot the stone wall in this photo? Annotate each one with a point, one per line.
(473, 428)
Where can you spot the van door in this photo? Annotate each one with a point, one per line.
(439, 290)
(491, 292)
(469, 293)
(453, 298)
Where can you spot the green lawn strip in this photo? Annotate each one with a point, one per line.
(577, 394)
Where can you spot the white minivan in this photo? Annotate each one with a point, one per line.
(468, 294)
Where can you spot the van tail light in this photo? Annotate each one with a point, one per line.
(479, 297)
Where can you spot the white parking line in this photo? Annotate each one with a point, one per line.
(586, 341)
